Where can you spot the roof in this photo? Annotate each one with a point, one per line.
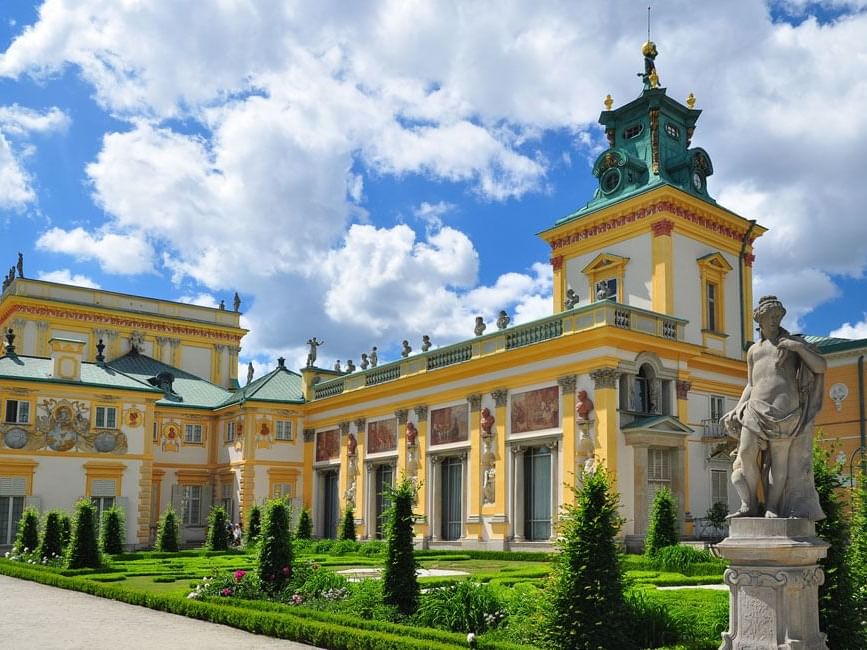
(92, 374)
(194, 391)
(279, 385)
(829, 344)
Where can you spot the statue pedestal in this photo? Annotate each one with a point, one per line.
(774, 583)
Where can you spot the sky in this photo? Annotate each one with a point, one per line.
(370, 172)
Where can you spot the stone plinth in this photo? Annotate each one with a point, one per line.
(773, 584)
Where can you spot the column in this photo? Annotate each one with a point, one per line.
(747, 306)
(423, 530)
(639, 494)
(567, 389)
(234, 351)
(434, 502)
(370, 514)
(682, 389)
(559, 282)
(464, 505)
(309, 458)
(217, 365)
(500, 399)
(555, 489)
(662, 284)
(607, 426)
(472, 467)
(517, 493)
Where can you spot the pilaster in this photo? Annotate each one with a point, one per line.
(662, 284)
(309, 474)
(474, 461)
(567, 389)
(421, 509)
(607, 426)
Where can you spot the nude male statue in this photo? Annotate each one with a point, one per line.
(773, 421)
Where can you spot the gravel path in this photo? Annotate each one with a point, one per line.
(37, 616)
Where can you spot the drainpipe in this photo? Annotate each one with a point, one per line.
(744, 242)
(861, 421)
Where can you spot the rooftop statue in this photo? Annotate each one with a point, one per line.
(373, 357)
(350, 366)
(479, 329)
(20, 265)
(405, 349)
(311, 352)
(364, 362)
(425, 343)
(503, 320)
(236, 302)
(773, 421)
(572, 298)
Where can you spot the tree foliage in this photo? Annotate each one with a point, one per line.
(218, 537)
(858, 553)
(83, 551)
(586, 607)
(400, 584)
(254, 525)
(167, 532)
(275, 547)
(27, 535)
(347, 530)
(51, 544)
(305, 525)
(836, 595)
(112, 530)
(663, 529)
(65, 529)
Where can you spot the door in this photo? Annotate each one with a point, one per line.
(537, 494)
(11, 509)
(452, 494)
(384, 480)
(330, 505)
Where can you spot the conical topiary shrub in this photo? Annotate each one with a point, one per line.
(275, 547)
(65, 529)
(83, 551)
(662, 530)
(399, 581)
(305, 525)
(112, 531)
(27, 536)
(52, 536)
(254, 525)
(347, 531)
(218, 536)
(167, 533)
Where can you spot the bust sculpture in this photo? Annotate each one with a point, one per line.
(503, 320)
(425, 343)
(411, 434)
(373, 357)
(364, 362)
(583, 407)
(773, 421)
(486, 421)
(479, 329)
(406, 348)
(571, 298)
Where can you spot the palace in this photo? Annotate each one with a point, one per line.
(135, 401)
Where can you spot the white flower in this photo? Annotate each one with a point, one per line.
(471, 639)
(7, 554)
(193, 595)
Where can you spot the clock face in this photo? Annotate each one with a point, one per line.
(696, 180)
(610, 180)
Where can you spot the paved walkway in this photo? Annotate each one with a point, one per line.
(37, 616)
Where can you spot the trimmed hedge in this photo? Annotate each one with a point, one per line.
(304, 625)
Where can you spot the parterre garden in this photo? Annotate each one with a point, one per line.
(323, 592)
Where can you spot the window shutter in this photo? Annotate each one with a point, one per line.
(12, 486)
(103, 487)
(33, 502)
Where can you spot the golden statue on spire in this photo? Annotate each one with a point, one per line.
(651, 78)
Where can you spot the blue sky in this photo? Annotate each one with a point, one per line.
(378, 172)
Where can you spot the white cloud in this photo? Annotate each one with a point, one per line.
(432, 213)
(19, 120)
(849, 331)
(200, 299)
(116, 253)
(15, 190)
(65, 276)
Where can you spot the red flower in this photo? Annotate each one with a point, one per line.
(226, 592)
(239, 575)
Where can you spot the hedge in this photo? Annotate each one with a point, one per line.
(270, 619)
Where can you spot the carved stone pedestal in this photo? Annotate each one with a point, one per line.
(774, 585)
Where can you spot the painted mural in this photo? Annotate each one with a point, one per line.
(536, 410)
(450, 424)
(382, 436)
(327, 445)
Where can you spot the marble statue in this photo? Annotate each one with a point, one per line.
(489, 486)
(571, 298)
(311, 352)
(364, 362)
(480, 326)
(20, 265)
(236, 301)
(583, 407)
(406, 349)
(250, 372)
(773, 421)
(425, 343)
(222, 305)
(503, 320)
(337, 366)
(350, 366)
(374, 357)
(602, 291)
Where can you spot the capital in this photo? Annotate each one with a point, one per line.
(500, 396)
(401, 415)
(605, 377)
(309, 435)
(421, 411)
(475, 402)
(567, 383)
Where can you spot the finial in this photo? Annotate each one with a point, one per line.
(10, 342)
(281, 362)
(609, 102)
(100, 348)
(650, 76)
(690, 101)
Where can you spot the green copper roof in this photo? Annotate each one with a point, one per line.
(279, 385)
(92, 374)
(193, 391)
(829, 344)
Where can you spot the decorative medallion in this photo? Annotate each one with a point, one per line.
(105, 441)
(65, 425)
(134, 417)
(15, 438)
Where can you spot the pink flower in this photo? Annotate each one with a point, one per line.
(296, 599)
(239, 575)
(226, 592)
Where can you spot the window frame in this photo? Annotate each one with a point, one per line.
(713, 269)
(280, 430)
(191, 439)
(187, 500)
(606, 267)
(229, 431)
(106, 410)
(18, 404)
(714, 472)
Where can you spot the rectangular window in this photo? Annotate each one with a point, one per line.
(230, 431)
(106, 417)
(658, 473)
(712, 306)
(156, 434)
(719, 486)
(282, 491)
(717, 407)
(11, 508)
(17, 411)
(193, 434)
(101, 504)
(284, 430)
(607, 289)
(192, 505)
(228, 501)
